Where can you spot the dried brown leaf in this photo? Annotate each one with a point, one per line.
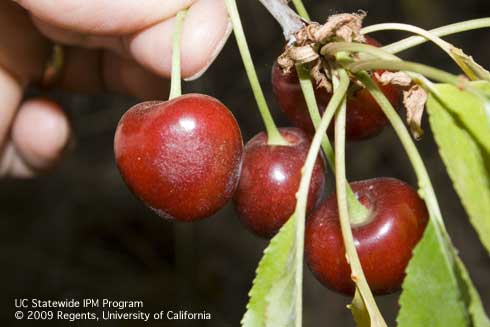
(396, 78)
(414, 100)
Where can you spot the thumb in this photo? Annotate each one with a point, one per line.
(205, 31)
(144, 31)
(105, 17)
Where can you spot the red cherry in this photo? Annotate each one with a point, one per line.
(364, 117)
(266, 194)
(181, 157)
(384, 242)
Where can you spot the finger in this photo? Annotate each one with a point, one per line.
(40, 133)
(125, 76)
(104, 16)
(10, 96)
(12, 164)
(206, 29)
(73, 38)
(98, 70)
(23, 50)
(82, 71)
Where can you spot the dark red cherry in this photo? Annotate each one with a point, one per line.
(384, 242)
(181, 157)
(266, 194)
(364, 117)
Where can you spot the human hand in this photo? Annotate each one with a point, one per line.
(117, 46)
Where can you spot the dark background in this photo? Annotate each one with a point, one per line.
(78, 232)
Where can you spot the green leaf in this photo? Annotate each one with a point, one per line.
(437, 290)
(431, 292)
(359, 311)
(470, 64)
(461, 129)
(272, 295)
(472, 298)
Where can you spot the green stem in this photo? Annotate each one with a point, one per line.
(425, 185)
(311, 104)
(357, 273)
(300, 8)
(175, 83)
(413, 41)
(426, 190)
(359, 212)
(331, 49)
(304, 186)
(427, 71)
(274, 137)
(445, 46)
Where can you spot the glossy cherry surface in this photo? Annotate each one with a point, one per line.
(181, 157)
(364, 117)
(265, 197)
(384, 242)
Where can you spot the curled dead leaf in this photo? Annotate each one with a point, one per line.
(303, 54)
(347, 27)
(319, 76)
(308, 40)
(414, 101)
(395, 78)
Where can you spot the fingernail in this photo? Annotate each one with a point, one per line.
(215, 53)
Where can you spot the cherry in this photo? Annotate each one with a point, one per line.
(181, 157)
(364, 116)
(384, 241)
(271, 174)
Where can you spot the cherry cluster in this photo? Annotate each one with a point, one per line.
(184, 158)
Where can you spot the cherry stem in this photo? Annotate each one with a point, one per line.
(426, 190)
(359, 213)
(337, 48)
(430, 72)
(445, 46)
(302, 194)
(175, 83)
(425, 185)
(53, 67)
(365, 50)
(274, 137)
(300, 8)
(357, 274)
(311, 104)
(413, 41)
(331, 49)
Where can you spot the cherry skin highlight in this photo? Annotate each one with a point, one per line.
(384, 242)
(364, 116)
(271, 174)
(181, 157)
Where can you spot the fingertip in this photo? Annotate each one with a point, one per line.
(204, 37)
(40, 133)
(206, 29)
(12, 164)
(103, 17)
